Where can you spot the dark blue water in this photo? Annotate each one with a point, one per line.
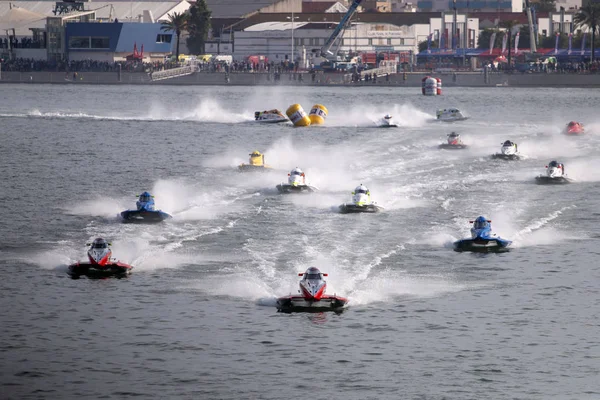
(197, 317)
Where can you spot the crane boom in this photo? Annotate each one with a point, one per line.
(325, 50)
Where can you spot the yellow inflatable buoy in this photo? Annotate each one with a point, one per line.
(317, 114)
(297, 115)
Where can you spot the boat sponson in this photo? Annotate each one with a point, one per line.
(92, 270)
(300, 304)
(353, 208)
(546, 180)
(482, 245)
(285, 188)
(452, 146)
(144, 216)
(500, 156)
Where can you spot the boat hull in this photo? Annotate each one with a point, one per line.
(253, 168)
(546, 180)
(507, 157)
(452, 146)
(353, 208)
(284, 188)
(144, 216)
(300, 304)
(482, 245)
(116, 269)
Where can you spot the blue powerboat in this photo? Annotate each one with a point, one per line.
(482, 238)
(145, 212)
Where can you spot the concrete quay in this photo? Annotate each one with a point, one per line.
(411, 79)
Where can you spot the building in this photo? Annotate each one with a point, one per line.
(515, 6)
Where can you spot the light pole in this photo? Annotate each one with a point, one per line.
(292, 18)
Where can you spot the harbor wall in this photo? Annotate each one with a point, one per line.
(461, 79)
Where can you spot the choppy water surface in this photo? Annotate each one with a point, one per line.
(196, 319)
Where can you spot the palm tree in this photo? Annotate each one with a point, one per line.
(589, 16)
(177, 22)
(509, 25)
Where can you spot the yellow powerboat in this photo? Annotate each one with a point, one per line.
(256, 163)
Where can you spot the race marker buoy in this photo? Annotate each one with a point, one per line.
(317, 114)
(439, 86)
(296, 114)
(429, 86)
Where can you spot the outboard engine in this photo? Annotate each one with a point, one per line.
(312, 286)
(256, 114)
(99, 252)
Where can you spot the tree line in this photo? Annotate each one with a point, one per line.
(195, 21)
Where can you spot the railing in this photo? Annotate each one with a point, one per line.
(381, 71)
(174, 72)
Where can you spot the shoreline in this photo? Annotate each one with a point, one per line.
(409, 79)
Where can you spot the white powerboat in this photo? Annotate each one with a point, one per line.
(508, 151)
(312, 295)
(387, 122)
(296, 183)
(361, 202)
(555, 173)
(450, 115)
(270, 116)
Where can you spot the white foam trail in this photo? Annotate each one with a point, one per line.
(102, 207)
(206, 110)
(367, 115)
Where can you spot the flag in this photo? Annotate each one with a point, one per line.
(570, 43)
(429, 42)
(492, 42)
(504, 39)
(583, 44)
(556, 43)
(517, 42)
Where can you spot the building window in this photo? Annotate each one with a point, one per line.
(389, 41)
(100, 43)
(79, 42)
(370, 42)
(162, 38)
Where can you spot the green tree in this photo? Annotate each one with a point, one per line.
(177, 23)
(589, 16)
(423, 45)
(485, 36)
(198, 26)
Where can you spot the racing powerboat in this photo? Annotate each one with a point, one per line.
(387, 122)
(144, 212)
(256, 163)
(508, 151)
(450, 115)
(454, 142)
(361, 202)
(574, 128)
(99, 264)
(312, 297)
(482, 238)
(270, 116)
(296, 183)
(555, 174)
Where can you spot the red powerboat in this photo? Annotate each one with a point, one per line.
(312, 296)
(574, 128)
(99, 263)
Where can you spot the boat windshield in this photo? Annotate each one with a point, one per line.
(295, 172)
(313, 276)
(553, 164)
(99, 245)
